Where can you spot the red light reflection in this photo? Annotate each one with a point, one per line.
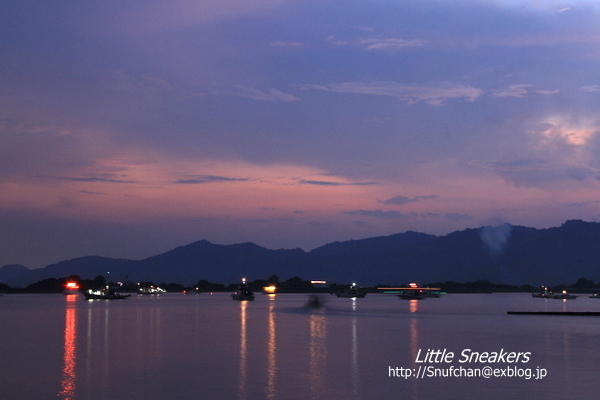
(69, 359)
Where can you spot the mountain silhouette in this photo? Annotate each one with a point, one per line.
(503, 254)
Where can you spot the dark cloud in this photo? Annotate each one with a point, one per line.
(539, 173)
(269, 220)
(89, 179)
(199, 179)
(329, 183)
(401, 200)
(398, 200)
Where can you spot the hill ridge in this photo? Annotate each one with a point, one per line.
(508, 254)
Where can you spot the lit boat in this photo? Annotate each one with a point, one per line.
(414, 292)
(546, 294)
(71, 288)
(565, 296)
(352, 291)
(412, 295)
(107, 293)
(543, 295)
(243, 293)
(595, 295)
(151, 290)
(270, 289)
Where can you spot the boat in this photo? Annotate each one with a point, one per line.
(414, 292)
(595, 295)
(71, 288)
(270, 289)
(545, 294)
(151, 290)
(315, 301)
(412, 295)
(565, 296)
(106, 293)
(243, 293)
(353, 291)
(548, 295)
(432, 293)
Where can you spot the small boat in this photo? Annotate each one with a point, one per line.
(565, 296)
(431, 293)
(353, 291)
(107, 293)
(545, 294)
(548, 295)
(71, 288)
(412, 295)
(414, 292)
(151, 290)
(595, 296)
(270, 289)
(315, 301)
(243, 293)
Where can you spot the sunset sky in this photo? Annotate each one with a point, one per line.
(128, 128)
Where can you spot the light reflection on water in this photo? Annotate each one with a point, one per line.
(271, 390)
(68, 388)
(243, 374)
(318, 354)
(414, 343)
(355, 373)
(276, 348)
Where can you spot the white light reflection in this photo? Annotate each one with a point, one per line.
(98, 355)
(355, 375)
(106, 344)
(318, 354)
(243, 375)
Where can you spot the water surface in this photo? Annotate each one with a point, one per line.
(211, 347)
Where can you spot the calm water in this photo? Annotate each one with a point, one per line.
(211, 347)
